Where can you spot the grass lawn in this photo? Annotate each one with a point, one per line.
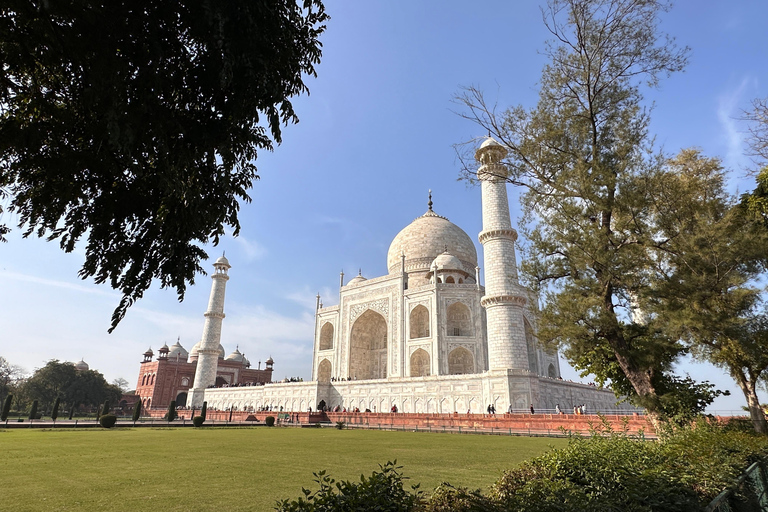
(249, 469)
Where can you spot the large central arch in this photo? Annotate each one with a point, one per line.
(368, 347)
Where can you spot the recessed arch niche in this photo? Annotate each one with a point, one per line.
(460, 361)
(368, 347)
(324, 371)
(326, 336)
(419, 322)
(419, 363)
(459, 320)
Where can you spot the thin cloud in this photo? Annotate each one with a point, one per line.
(253, 250)
(59, 284)
(728, 113)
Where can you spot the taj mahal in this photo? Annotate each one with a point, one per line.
(427, 337)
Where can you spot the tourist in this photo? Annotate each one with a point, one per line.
(557, 409)
(532, 411)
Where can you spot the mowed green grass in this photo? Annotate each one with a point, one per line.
(168, 469)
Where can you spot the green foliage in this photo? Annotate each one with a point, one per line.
(198, 421)
(107, 420)
(171, 413)
(33, 411)
(61, 379)
(382, 491)
(55, 409)
(447, 498)
(6, 407)
(204, 410)
(269, 421)
(105, 408)
(582, 154)
(340, 425)
(136, 411)
(137, 129)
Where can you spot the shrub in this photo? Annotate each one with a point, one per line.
(105, 408)
(383, 491)
(171, 413)
(340, 425)
(204, 410)
(269, 421)
(107, 420)
(137, 411)
(55, 410)
(198, 421)
(33, 411)
(446, 498)
(6, 408)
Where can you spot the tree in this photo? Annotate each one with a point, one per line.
(57, 379)
(33, 411)
(10, 375)
(582, 155)
(708, 290)
(104, 408)
(758, 130)
(133, 128)
(121, 384)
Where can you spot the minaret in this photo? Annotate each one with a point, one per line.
(208, 353)
(503, 300)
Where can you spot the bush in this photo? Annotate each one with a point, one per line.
(107, 420)
(383, 491)
(105, 408)
(136, 411)
(198, 421)
(269, 421)
(55, 409)
(171, 413)
(6, 408)
(340, 425)
(33, 411)
(204, 410)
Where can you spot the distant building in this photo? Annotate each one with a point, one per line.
(171, 375)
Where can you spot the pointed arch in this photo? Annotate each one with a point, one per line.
(551, 372)
(459, 320)
(326, 336)
(419, 363)
(324, 371)
(460, 361)
(419, 322)
(368, 347)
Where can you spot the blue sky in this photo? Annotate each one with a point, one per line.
(376, 133)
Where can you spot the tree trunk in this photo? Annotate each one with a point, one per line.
(756, 414)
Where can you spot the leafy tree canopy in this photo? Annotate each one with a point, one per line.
(133, 126)
(61, 379)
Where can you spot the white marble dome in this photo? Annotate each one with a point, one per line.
(81, 366)
(177, 351)
(236, 356)
(427, 237)
(446, 261)
(356, 280)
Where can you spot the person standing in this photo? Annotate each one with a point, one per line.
(532, 411)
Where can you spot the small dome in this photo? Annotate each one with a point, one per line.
(223, 262)
(235, 356)
(490, 141)
(149, 352)
(357, 279)
(81, 366)
(270, 361)
(177, 351)
(446, 261)
(164, 348)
